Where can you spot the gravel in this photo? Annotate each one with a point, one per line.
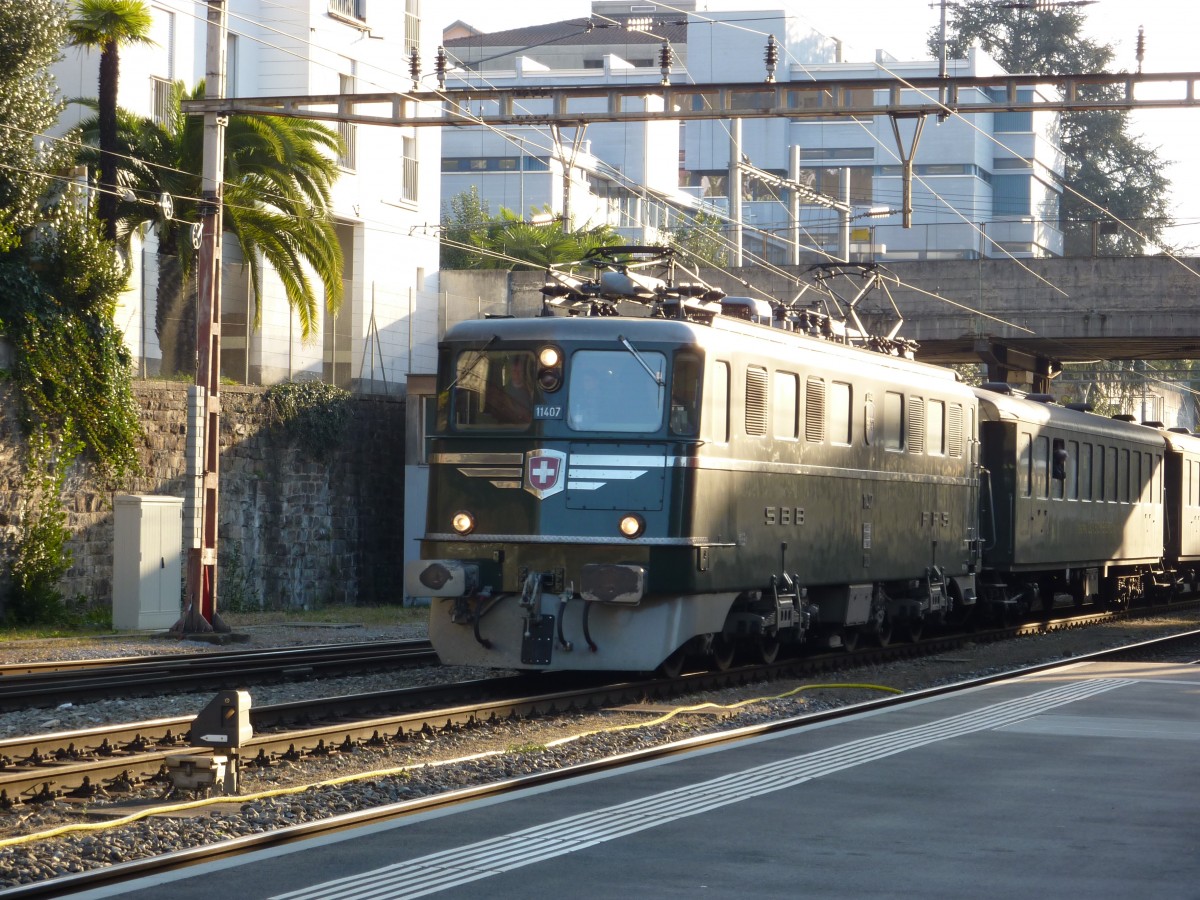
(443, 762)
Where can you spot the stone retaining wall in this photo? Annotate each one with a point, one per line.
(292, 531)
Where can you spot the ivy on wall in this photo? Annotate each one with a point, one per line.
(311, 414)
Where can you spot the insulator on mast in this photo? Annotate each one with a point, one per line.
(440, 67)
(772, 57)
(1141, 48)
(665, 58)
(414, 67)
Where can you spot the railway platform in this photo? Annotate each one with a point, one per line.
(1079, 782)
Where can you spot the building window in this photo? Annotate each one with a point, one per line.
(408, 188)
(347, 130)
(350, 9)
(160, 101)
(412, 25)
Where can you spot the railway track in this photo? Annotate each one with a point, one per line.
(140, 867)
(108, 761)
(76, 681)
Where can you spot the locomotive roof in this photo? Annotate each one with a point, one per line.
(996, 407)
(735, 333)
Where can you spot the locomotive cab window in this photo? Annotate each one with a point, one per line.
(685, 395)
(495, 389)
(616, 390)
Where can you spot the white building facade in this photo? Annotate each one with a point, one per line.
(987, 185)
(383, 202)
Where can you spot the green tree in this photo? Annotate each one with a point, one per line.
(279, 176)
(477, 240)
(1105, 163)
(701, 238)
(108, 25)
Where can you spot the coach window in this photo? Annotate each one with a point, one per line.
(1085, 472)
(893, 421)
(718, 402)
(785, 418)
(1025, 464)
(1041, 467)
(935, 425)
(1110, 475)
(839, 413)
(1123, 478)
(1058, 468)
(1072, 470)
(685, 394)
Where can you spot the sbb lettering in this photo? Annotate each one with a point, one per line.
(783, 515)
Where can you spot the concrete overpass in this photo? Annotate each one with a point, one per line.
(1029, 315)
(1025, 316)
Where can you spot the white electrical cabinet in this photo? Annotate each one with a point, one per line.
(147, 561)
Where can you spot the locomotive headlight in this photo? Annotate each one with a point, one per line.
(632, 525)
(549, 369)
(463, 522)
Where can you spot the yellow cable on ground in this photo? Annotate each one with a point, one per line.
(702, 706)
(83, 827)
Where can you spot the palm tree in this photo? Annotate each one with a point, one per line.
(279, 174)
(107, 25)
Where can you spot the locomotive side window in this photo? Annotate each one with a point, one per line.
(718, 402)
(935, 424)
(916, 425)
(611, 390)
(785, 418)
(954, 433)
(814, 410)
(756, 400)
(893, 421)
(840, 426)
(685, 394)
(495, 390)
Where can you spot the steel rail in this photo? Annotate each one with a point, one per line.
(125, 757)
(45, 684)
(126, 871)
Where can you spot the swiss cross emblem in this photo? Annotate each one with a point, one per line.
(545, 472)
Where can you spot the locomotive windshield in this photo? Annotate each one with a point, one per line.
(495, 389)
(611, 390)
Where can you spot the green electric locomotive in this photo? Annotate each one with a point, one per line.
(622, 493)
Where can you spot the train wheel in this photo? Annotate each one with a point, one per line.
(913, 629)
(850, 639)
(672, 666)
(722, 652)
(767, 649)
(883, 632)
